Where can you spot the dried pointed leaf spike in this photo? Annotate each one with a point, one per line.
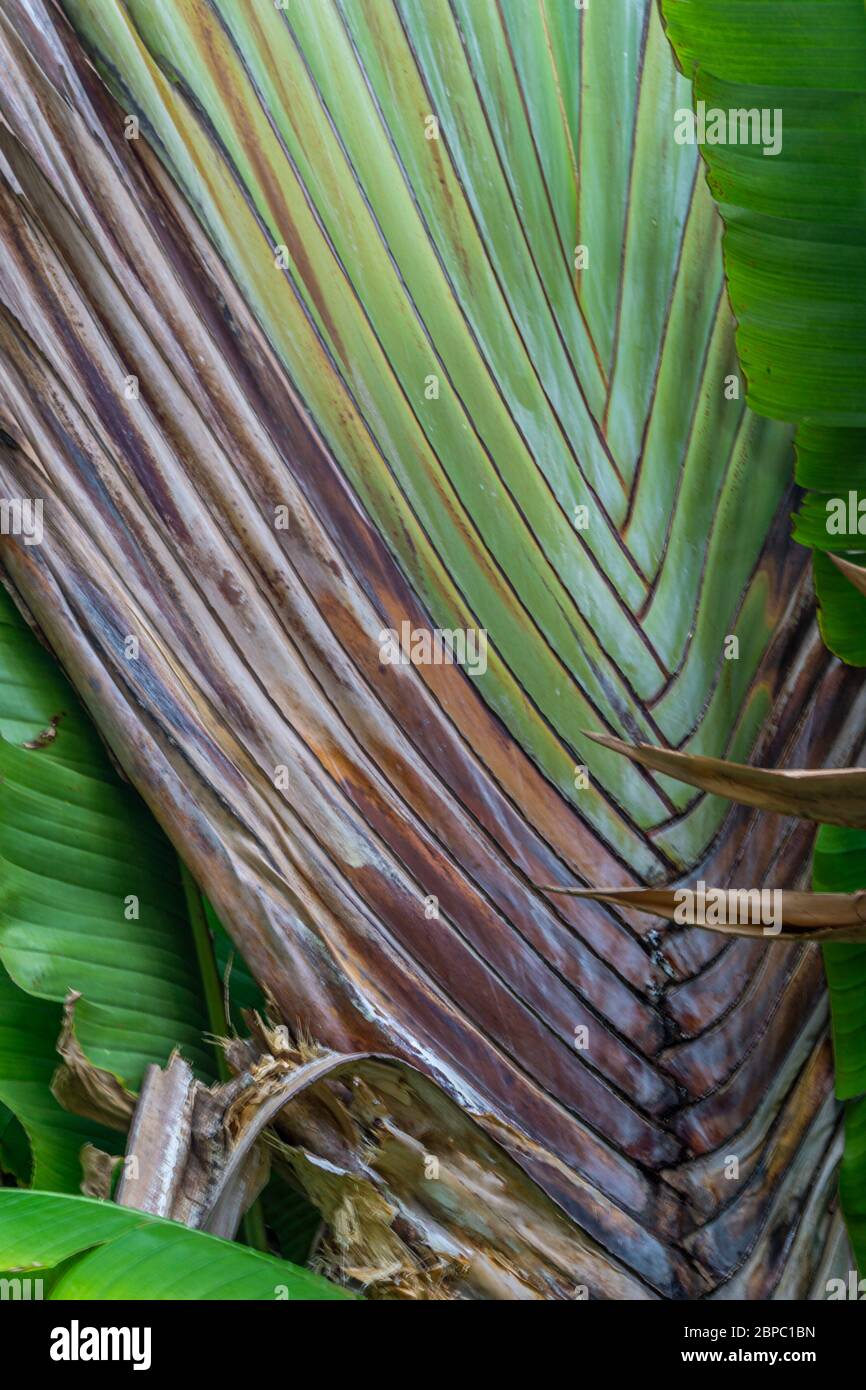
(855, 573)
(834, 796)
(774, 913)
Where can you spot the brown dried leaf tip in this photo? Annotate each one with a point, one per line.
(48, 735)
(855, 574)
(832, 797)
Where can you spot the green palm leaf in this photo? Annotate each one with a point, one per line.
(294, 1222)
(475, 491)
(840, 866)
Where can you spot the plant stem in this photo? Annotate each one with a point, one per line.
(211, 984)
(254, 1227)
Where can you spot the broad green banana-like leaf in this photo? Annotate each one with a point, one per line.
(28, 1060)
(370, 317)
(90, 900)
(840, 862)
(97, 1251)
(795, 245)
(852, 1177)
(15, 1156)
(77, 849)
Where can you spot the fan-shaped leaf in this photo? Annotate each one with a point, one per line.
(490, 378)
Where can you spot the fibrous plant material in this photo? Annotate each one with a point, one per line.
(295, 368)
(201, 1154)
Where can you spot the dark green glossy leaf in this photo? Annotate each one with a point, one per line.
(852, 1178)
(112, 1253)
(16, 1159)
(840, 867)
(795, 248)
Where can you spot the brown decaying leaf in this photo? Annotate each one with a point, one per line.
(46, 736)
(84, 1089)
(97, 1169)
(199, 1155)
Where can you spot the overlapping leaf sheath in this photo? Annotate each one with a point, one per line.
(295, 297)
